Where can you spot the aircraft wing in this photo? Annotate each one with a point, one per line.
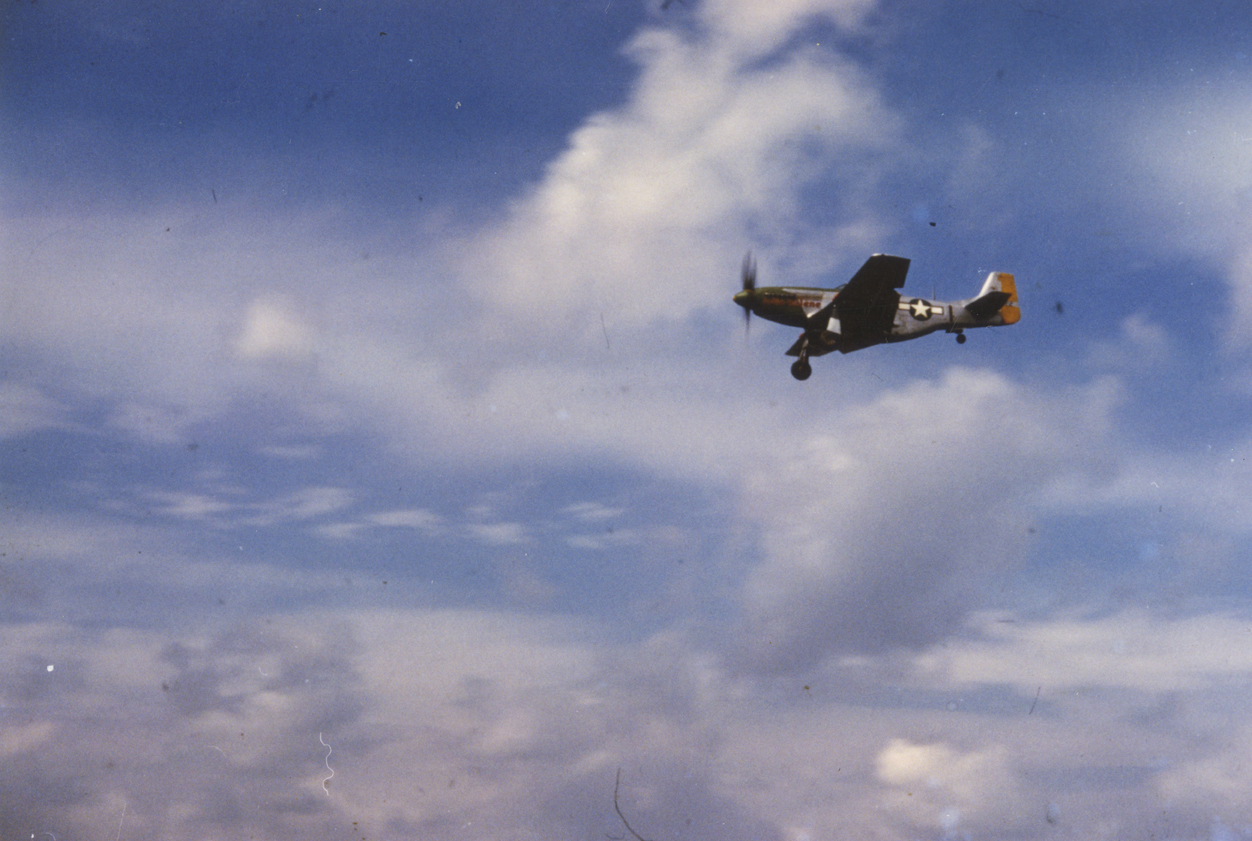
(866, 306)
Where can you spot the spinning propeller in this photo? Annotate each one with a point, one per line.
(747, 297)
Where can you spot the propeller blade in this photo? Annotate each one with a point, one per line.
(744, 298)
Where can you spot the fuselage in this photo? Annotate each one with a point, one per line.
(794, 306)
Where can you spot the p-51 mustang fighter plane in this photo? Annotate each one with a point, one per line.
(867, 310)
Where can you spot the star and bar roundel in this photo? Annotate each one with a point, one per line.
(921, 310)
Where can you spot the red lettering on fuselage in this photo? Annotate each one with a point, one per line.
(789, 301)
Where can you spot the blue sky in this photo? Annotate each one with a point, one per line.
(381, 451)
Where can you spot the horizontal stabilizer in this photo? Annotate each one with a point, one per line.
(988, 305)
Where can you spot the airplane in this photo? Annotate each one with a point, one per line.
(867, 310)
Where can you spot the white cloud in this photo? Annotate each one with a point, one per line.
(418, 519)
(1192, 143)
(1141, 346)
(1217, 781)
(937, 787)
(1201, 486)
(304, 504)
(340, 531)
(412, 518)
(630, 219)
(1130, 650)
(193, 506)
(879, 533)
(498, 534)
(271, 328)
(108, 301)
(591, 512)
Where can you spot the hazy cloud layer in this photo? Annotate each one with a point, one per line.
(469, 724)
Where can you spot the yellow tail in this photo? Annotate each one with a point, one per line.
(1010, 312)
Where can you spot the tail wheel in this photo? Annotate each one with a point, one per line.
(800, 369)
(960, 338)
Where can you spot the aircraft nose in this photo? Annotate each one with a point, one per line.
(744, 298)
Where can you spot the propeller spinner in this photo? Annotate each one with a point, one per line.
(747, 297)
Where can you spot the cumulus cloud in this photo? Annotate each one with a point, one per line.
(937, 787)
(1140, 346)
(715, 141)
(1193, 146)
(881, 534)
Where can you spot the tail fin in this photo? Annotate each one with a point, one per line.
(997, 297)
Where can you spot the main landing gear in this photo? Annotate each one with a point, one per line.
(960, 338)
(800, 369)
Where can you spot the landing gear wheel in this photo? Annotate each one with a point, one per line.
(960, 338)
(800, 369)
